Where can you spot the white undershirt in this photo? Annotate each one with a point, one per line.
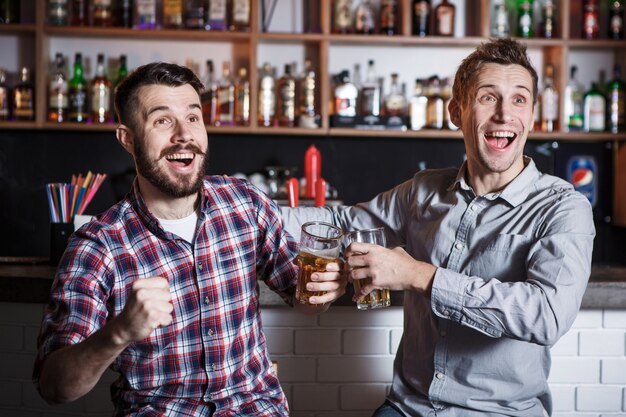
(185, 227)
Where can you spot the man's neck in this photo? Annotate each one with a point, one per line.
(164, 206)
(492, 182)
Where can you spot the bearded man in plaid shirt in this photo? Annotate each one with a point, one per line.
(164, 286)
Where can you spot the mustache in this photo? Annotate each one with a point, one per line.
(181, 149)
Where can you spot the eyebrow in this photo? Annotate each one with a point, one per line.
(523, 87)
(165, 108)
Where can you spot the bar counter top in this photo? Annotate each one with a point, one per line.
(30, 283)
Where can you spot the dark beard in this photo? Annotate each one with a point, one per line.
(184, 187)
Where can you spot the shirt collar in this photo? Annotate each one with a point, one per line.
(514, 193)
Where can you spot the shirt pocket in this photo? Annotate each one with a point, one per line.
(503, 257)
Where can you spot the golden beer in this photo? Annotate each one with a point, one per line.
(375, 299)
(309, 264)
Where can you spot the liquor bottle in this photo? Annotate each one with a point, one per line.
(616, 102)
(525, 19)
(594, 108)
(242, 98)
(58, 102)
(342, 16)
(446, 93)
(101, 13)
(616, 19)
(239, 17)
(421, 17)
(79, 13)
(369, 103)
(364, 22)
(499, 19)
(573, 102)
(58, 12)
(286, 98)
(389, 17)
(5, 93)
(591, 19)
(549, 102)
(196, 12)
(78, 92)
(267, 96)
(226, 98)
(173, 14)
(10, 11)
(100, 92)
(434, 107)
(24, 97)
(346, 95)
(122, 72)
(395, 101)
(418, 106)
(208, 98)
(307, 112)
(146, 14)
(547, 26)
(444, 19)
(216, 16)
(124, 13)
(356, 76)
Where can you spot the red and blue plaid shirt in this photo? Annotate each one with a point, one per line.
(214, 351)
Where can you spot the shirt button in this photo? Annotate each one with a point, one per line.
(473, 207)
(210, 332)
(200, 266)
(439, 375)
(443, 333)
(211, 367)
(458, 245)
(446, 313)
(206, 300)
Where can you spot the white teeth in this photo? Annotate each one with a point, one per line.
(501, 134)
(179, 156)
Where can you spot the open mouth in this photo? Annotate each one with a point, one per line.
(500, 139)
(180, 159)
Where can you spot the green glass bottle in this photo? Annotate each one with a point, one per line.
(78, 92)
(616, 102)
(525, 22)
(122, 72)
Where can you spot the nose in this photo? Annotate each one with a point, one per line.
(183, 132)
(504, 111)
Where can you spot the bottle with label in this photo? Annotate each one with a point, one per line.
(421, 17)
(389, 17)
(216, 17)
(342, 16)
(616, 19)
(418, 106)
(395, 101)
(24, 97)
(10, 11)
(525, 19)
(591, 19)
(573, 102)
(58, 101)
(594, 108)
(616, 102)
(78, 92)
(102, 13)
(307, 117)
(58, 12)
(124, 13)
(79, 13)
(5, 93)
(444, 19)
(499, 19)
(547, 26)
(286, 95)
(242, 98)
(370, 93)
(147, 14)
(346, 95)
(267, 96)
(208, 97)
(100, 93)
(434, 107)
(549, 102)
(239, 18)
(196, 14)
(172, 14)
(226, 98)
(364, 21)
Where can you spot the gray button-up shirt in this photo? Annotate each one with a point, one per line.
(512, 269)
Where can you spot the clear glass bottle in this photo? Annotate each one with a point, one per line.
(5, 93)
(434, 107)
(548, 24)
(616, 19)
(342, 16)
(444, 19)
(58, 12)
(100, 92)
(389, 17)
(239, 17)
(346, 95)
(395, 101)
(58, 101)
(421, 17)
(78, 92)
(208, 98)
(286, 95)
(364, 18)
(591, 19)
(418, 105)
(267, 96)
(226, 98)
(307, 113)
(616, 102)
(446, 93)
(102, 13)
(594, 108)
(369, 104)
(549, 102)
(24, 97)
(242, 98)
(525, 23)
(173, 14)
(147, 14)
(499, 19)
(216, 17)
(573, 102)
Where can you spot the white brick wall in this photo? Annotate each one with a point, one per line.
(340, 364)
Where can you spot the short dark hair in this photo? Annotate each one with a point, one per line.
(159, 73)
(498, 51)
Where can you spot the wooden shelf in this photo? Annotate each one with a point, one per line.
(144, 34)
(17, 27)
(15, 124)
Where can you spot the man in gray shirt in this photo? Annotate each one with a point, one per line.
(493, 258)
